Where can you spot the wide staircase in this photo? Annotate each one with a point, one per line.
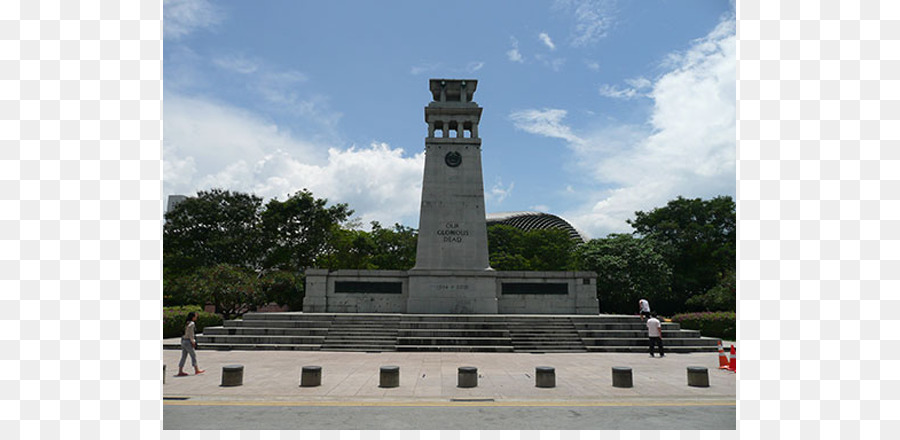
(473, 333)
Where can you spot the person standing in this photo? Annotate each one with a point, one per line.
(654, 330)
(644, 306)
(188, 344)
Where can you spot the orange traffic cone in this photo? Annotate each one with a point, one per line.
(723, 358)
(733, 365)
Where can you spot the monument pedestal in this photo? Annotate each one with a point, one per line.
(452, 291)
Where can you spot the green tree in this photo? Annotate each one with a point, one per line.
(348, 249)
(697, 237)
(384, 249)
(628, 269)
(298, 230)
(511, 248)
(505, 247)
(233, 290)
(284, 288)
(549, 249)
(721, 298)
(214, 227)
(395, 249)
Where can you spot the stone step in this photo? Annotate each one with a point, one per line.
(241, 339)
(359, 347)
(453, 333)
(287, 317)
(453, 341)
(646, 349)
(696, 342)
(279, 324)
(542, 350)
(262, 331)
(352, 332)
(384, 332)
(547, 341)
(261, 347)
(613, 319)
(602, 326)
(636, 333)
(453, 325)
(458, 348)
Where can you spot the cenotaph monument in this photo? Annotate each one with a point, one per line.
(452, 273)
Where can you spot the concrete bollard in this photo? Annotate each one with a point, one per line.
(390, 377)
(621, 377)
(697, 377)
(544, 377)
(232, 375)
(467, 377)
(311, 376)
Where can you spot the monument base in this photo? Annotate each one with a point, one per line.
(456, 292)
(451, 292)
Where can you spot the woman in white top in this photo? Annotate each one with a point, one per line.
(188, 343)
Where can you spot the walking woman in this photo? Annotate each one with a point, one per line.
(188, 344)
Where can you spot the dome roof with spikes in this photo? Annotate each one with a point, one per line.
(532, 220)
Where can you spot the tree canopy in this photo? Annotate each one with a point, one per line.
(511, 248)
(697, 238)
(297, 231)
(628, 268)
(221, 245)
(214, 227)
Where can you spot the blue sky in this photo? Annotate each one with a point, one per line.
(592, 109)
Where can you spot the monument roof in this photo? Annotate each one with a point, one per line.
(452, 88)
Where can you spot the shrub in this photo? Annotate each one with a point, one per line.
(713, 324)
(174, 320)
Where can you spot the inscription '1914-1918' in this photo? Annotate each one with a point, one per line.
(452, 233)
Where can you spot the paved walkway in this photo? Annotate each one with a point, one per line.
(352, 378)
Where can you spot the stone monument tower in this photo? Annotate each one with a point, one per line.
(452, 227)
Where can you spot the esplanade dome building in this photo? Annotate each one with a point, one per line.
(532, 220)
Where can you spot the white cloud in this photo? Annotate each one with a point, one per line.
(280, 89)
(687, 146)
(474, 66)
(423, 68)
(513, 54)
(593, 65)
(237, 64)
(553, 63)
(181, 17)
(616, 92)
(378, 182)
(546, 40)
(470, 67)
(546, 122)
(207, 144)
(498, 192)
(592, 19)
(639, 88)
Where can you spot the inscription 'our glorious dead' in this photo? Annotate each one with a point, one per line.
(452, 233)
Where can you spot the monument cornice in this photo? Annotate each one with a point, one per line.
(452, 141)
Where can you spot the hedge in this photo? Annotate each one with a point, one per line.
(174, 320)
(711, 324)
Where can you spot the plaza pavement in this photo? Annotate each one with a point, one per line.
(352, 378)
